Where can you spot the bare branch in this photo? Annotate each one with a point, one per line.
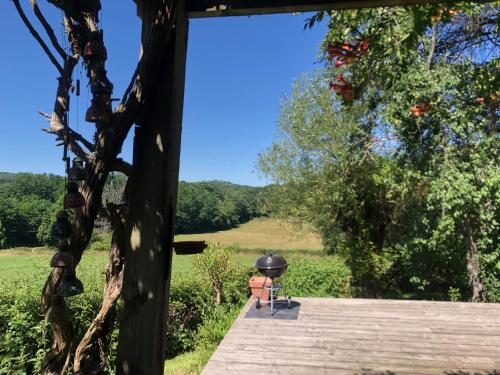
(37, 36)
(71, 140)
(79, 138)
(45, 115)
(48, 29)
(120, 165)
(435, 33)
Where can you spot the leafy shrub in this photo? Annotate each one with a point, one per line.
(100, 241)
(25, 338)
(190, 298)
(217, 265)
(215, 325)
(317, 277)
(23, 333)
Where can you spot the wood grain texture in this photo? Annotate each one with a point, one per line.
(365, 337)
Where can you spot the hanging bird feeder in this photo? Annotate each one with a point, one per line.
(70, 285)
(62, 228)
(78, 171)
(94, 50)
(73, 199)
(99, 111)
(189, 247)
(63, 258)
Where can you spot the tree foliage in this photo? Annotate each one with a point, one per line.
(398, 165)
(215, 205)
(27, 205)
(29, 202)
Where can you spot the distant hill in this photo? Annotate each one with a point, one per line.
(216, 205)
(6, 177)
(28, 203)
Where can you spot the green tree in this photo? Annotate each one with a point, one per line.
(332, 169)
(3, 236)
(433, 73)
(423, 81)
(217, 265)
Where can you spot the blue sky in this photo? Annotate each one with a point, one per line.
(238, 70)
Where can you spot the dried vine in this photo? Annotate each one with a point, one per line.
(89, 356)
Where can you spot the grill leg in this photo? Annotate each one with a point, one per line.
(272, 298)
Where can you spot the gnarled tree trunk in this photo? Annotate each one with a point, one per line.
(473, 268)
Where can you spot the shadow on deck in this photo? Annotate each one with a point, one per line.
(364, 337)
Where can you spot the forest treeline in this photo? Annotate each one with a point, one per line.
(29, 202)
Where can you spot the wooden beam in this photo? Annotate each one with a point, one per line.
(154, 180)
(221, 8)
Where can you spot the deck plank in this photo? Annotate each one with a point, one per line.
(365, 337)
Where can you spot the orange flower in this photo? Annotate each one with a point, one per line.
(333, 52)
(347, 47)
(362, 47)
(452, 12)
(340, 62)
(480, 100)
(344, 61)
(348, 96)
(437, 17)
(335, 87)
(420, 109)
(341, 78)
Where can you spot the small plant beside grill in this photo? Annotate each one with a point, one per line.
(272, 266)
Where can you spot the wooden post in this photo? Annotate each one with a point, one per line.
(148, 257)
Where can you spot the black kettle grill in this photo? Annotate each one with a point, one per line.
(272, 266)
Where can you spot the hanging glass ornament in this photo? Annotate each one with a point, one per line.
(62, 228)
(101, 86)
(73, 198)
(99, 111)
(78, 171)
(70, 285)
(94, 50)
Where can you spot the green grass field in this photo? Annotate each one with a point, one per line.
(262, 233)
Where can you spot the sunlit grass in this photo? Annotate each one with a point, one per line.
(262, 233)
(248, 241)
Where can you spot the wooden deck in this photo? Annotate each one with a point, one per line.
(365, 337)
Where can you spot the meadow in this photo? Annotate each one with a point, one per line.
(247, 240)
(28, 268)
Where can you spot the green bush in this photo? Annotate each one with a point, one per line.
(23, 333)
(229, 281)
(215, 325)
(100, 241)
(317, 277)
(25, 338)
(190, 299)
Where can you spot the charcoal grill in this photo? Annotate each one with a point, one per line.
(272, 266)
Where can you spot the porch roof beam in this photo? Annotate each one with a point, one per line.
(221, 8)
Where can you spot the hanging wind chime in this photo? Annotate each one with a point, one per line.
(76, 172)
(95, 55)
(62, 229)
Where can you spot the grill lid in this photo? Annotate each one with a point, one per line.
(270, 262)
